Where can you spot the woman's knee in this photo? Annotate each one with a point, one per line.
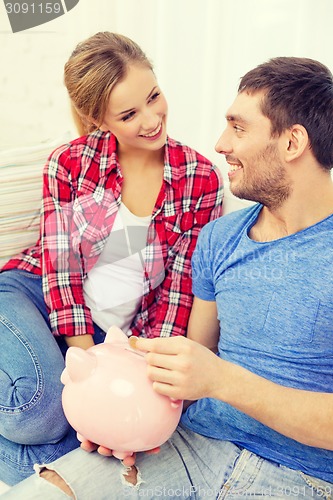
(30, 387)
(30, 365)
(29, 413)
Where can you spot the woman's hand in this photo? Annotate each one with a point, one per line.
(106, 452)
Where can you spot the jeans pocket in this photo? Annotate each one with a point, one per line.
(319, 487)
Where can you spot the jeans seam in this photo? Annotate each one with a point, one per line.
(39, 375)
(243, 459)
(26, 273)
(315, 485)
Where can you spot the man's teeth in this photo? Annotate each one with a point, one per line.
(233, 168)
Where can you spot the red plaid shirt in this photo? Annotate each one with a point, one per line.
(81, 197)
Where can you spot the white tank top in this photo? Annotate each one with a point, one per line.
(113, 289)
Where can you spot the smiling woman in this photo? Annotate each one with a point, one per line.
(137, 115)
(122, 209)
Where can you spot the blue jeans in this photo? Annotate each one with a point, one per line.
(33, 427)
(189, 466)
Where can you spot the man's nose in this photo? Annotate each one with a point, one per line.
(223, 146)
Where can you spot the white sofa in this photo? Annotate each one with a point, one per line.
(20, 194)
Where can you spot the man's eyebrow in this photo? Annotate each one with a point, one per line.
(236, 118)
(132, 109)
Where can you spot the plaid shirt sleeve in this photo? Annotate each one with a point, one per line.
(61, 263)
(169, 305)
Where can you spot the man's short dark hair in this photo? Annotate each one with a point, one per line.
(297, 91)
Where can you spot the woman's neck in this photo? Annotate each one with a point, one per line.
(142, 173)
(139, 159)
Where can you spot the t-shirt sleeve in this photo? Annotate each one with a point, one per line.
(202, 266)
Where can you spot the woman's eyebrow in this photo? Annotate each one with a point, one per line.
(124, 112)
(152, 91)
(132, 109)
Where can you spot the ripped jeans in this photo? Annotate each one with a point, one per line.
(33, 427)
(189, 466)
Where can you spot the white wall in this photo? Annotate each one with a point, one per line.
(200, 49)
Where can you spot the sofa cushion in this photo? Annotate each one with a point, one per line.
(20, 194)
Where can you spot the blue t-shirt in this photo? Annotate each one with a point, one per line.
(275, 307)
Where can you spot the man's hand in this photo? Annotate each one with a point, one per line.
(179, 367)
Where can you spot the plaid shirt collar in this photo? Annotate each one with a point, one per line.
(109, 157)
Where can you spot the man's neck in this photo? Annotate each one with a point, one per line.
(301, 210)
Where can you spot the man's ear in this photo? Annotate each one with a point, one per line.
(297, 141)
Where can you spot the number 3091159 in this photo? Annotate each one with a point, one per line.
(33, 8)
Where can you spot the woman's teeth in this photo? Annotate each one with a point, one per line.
(155, 132)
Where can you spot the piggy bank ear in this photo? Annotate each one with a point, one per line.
(79, 364)
(116, 336)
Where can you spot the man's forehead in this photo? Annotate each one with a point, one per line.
(245, 108)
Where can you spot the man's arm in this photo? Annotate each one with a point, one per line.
(181, 368)
(304, 416)
(203, 324)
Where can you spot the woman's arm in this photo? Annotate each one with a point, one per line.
(61, 262)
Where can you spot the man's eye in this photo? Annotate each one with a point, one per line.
(238, 129)
(128, 116)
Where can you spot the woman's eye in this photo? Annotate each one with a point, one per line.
(128, 116)
(154, 96)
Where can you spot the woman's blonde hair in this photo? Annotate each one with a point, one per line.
(93, 69)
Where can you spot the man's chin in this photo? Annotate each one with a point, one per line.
(239, 193)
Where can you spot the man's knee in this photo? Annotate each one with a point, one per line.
(54, 478)
(131, 475)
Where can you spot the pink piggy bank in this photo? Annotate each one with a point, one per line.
(109, 400)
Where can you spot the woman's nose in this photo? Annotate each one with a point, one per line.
(149, 121)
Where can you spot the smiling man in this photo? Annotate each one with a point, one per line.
(261, 423)
(264, 176)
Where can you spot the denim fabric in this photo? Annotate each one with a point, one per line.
(188, 466)
(33, 427)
